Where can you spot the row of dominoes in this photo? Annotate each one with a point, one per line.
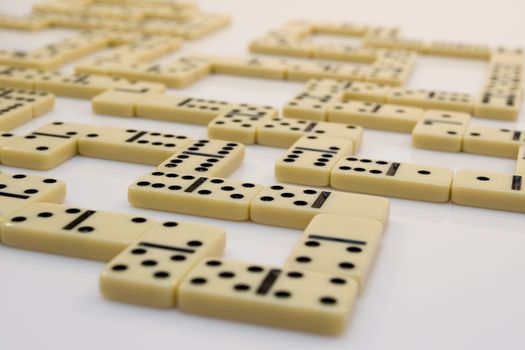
(177, 74)
(134, 49)
(440, 48)
(248, 124)
(143, 49)
(71, 85)
(187, 70)
(54, 55)
(322, 161)
(52, 144)
(291, 40)
(121, 10)
(321, 94)
(191, 28)
(18, 106)
(243, 123)
(177, 263)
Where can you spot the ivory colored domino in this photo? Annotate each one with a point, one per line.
(181, 109)
(310, 159)
(402, 180)
(44, 148)
(493, 141)
(131, 145)
(428, 99)
(88, 86)
(394, 76)
(396, 43)
(440, 130)
(117, 103)
(489, 190)
(344, 52)
(520, 166)
(282, 46)
(339, 245)
(194, 195)
(375, 115)
(311, 106)
(311, 70)
(151, 269)
(19, 190)
(340, 28)
(13, 114)
(40, 102)
(503, 106)
(331, 86)
(206, 157)
(294, 206)
(284, 132)
(461, 50)
(364, 91)
(240, 123)
(251, 66)
(16, 77)
(301, 300)
(71, 231)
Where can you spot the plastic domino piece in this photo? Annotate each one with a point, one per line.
(284, 132)
(520, 166)
(311, 106)
(344, 52)
(428, 99)
(294, 206)
(194, 195)
(462, 50)
(310, 159)
(493, 105)
(88, 86)
(489, 190)
(190, 68)
(130, 145)
(296, 299)
(251, 66)
(19, 190)
(340, 28)
(302, 71)
(206, 157)
(282, 46)
(440, 130)
(339, 245)
(13, 114)
(402, 180)
(331, 86)
(65, 230)
(364, 91)
(17, 78)
(240, 123)
(375, 115)
(44, 148)
(41, 102)
(181, 109)
(493, 141)
(150, 270)
(117, 103)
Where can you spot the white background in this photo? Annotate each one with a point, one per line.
(447, 277)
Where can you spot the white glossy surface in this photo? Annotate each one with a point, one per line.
(447, 277)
